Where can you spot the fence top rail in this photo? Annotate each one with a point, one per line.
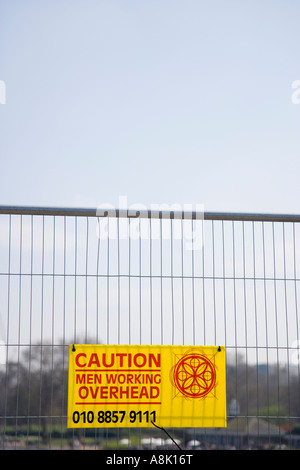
(147, 214)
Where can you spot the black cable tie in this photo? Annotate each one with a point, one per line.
(73, 349)
(219, 348)
(163, 429)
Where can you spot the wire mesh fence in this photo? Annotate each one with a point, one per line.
(80, 276)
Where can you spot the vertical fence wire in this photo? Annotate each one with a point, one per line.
(71, 279)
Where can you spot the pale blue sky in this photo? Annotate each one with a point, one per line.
(169, 101)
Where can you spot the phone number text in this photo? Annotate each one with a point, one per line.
(113, 417)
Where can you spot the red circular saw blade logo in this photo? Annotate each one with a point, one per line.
(194, 375)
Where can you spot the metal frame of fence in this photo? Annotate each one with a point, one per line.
(149, 277)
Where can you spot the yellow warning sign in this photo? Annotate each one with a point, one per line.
(139, 386)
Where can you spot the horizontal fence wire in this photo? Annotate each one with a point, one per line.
(149, 277)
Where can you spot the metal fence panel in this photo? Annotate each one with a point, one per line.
(81, 276)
